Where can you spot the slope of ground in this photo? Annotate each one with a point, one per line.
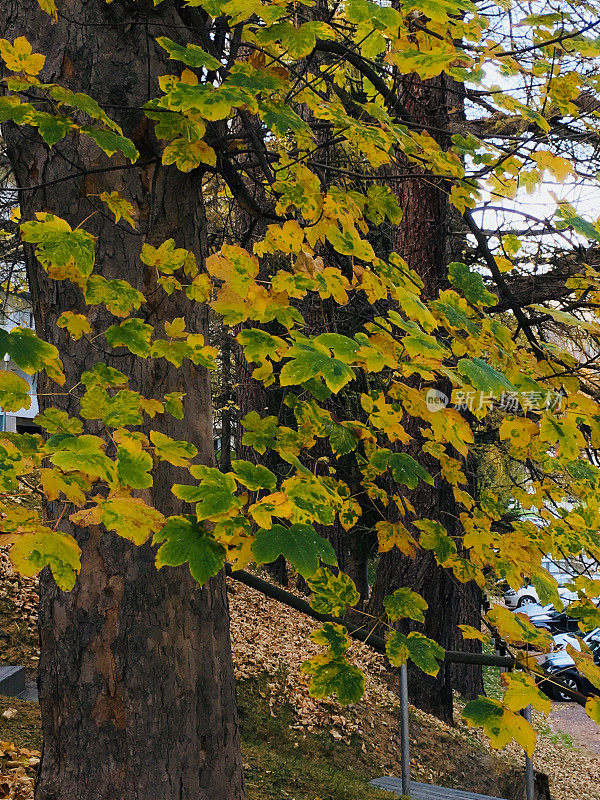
(296, 747)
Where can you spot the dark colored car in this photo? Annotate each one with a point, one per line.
(554, 621)
(562, 665)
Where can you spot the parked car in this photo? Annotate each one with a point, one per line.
(554, 621)
(562, 665)
(528, 594)
(561, 640)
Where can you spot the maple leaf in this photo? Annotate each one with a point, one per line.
(423, 651)
(31, 552)
(333, 594)
(183, 540)
(299, 544)
(405, 603)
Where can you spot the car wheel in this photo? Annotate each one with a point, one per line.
(572, 683)
(524, 600)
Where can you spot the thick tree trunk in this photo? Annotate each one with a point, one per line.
(425, 239)
(136, 680)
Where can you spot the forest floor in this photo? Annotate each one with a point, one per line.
(299, 748)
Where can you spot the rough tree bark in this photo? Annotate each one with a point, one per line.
(136, 681)
(425, 239)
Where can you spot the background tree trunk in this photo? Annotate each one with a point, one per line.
(136, 680)
(428, 242)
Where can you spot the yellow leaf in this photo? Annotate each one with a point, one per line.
(18, 56)
(120, 207)
(76, 324)
(176, 328)
(49, 6)
(394, 534)
(559, 167)
(518, 430)
(469, 632)
(522, 691)
(592, 709)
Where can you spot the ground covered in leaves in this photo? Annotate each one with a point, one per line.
(296, 747)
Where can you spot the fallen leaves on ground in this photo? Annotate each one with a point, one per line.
(17, 771)
(273, 640)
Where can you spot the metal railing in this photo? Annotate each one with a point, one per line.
(378, 643)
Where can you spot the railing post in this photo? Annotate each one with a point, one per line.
(404, 731)
(529, 773)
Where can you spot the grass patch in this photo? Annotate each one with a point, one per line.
(24, 729)
(280, 763)
(285, 764)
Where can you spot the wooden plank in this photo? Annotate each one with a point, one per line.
(425, 791)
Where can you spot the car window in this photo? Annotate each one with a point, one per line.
(594, 646)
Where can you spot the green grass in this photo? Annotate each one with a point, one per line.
(24, 729)
(284, 764)
(280, 763)
(556, 737)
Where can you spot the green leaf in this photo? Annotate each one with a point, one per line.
(172, 351)
(103, 375)
(116, 412)
(191, 54)
(59, 247)
(299, 544)
(254, 476)
(422, 344)
(423, 651)
(174, 404)
(484, 377)
(333, 674)
(259, 345)
(434, 537)
(333, 594)
(54, 420)
(134, 334)
(118, 296)
(309, 361)
(182, 540)
(133, 468)
(408, 471)
(470, 285)
(52, 127)
(30, 353)
(281, 118)
(178, 453)
(214, 496)
(405, 603)
(31, 552)
(259, 432)
(82, 453)
(341, 438)
(111, 142)
(500, 724)
(333, 636)
(14, 391)
(382, 204)
(11, 108)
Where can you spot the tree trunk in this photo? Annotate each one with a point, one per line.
(136, 680)
(424, 239)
